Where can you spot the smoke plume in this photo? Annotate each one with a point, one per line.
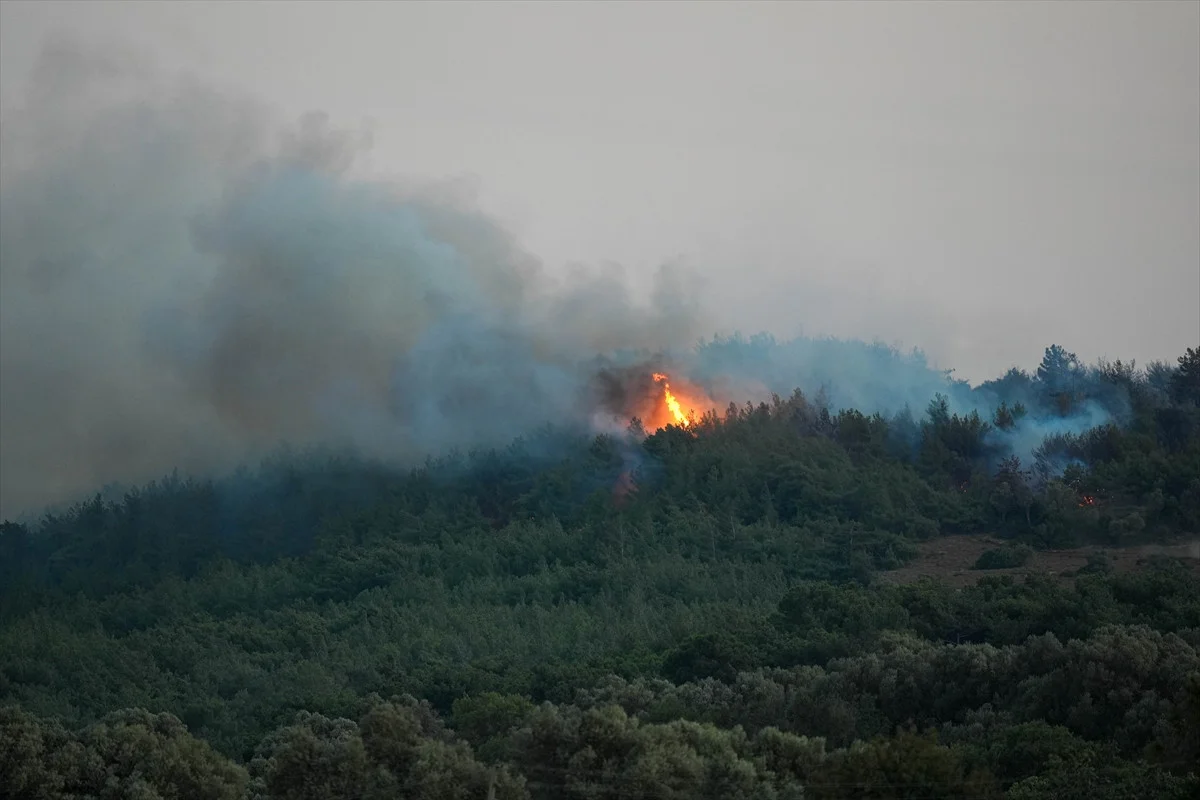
(185, 283)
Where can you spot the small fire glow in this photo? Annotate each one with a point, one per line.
(1087, 500)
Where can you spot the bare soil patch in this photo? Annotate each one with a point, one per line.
(950, 559)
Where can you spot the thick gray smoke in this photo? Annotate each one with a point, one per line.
(185, 284)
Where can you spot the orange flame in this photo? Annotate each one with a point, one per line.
(1087, 500)
(672, 402)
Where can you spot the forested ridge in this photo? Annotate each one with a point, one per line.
(694, 612)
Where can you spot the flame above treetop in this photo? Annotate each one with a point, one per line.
(672, 402)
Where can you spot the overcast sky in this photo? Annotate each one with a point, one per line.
(977, 179)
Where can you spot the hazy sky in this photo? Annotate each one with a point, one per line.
(977, 179)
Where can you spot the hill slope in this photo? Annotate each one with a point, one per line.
(698, 612)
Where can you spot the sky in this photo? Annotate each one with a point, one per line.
(975, 179)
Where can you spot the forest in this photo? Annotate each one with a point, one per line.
(696, 611)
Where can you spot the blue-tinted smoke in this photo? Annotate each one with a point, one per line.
(185, 284)
(877, 379)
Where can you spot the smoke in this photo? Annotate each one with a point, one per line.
(186, 283)
(875, 378)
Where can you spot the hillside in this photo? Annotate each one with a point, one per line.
(774, 601)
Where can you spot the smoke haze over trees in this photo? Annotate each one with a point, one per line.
(185, 283)
(315, 483)
(503, 621)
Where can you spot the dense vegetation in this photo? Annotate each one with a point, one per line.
(695, 613)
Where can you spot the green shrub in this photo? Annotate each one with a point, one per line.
(1097, 564)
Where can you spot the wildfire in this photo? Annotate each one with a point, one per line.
(1087, 500)
(655, 399)
(671, 401)
(657, 411)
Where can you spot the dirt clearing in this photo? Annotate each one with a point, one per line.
(950, 558)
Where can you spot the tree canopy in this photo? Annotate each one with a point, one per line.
(686, 613)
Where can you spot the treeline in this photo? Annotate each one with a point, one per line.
(794, 461)
(234, 655)
(691, 613)
(877, 378)
(1114, 716)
